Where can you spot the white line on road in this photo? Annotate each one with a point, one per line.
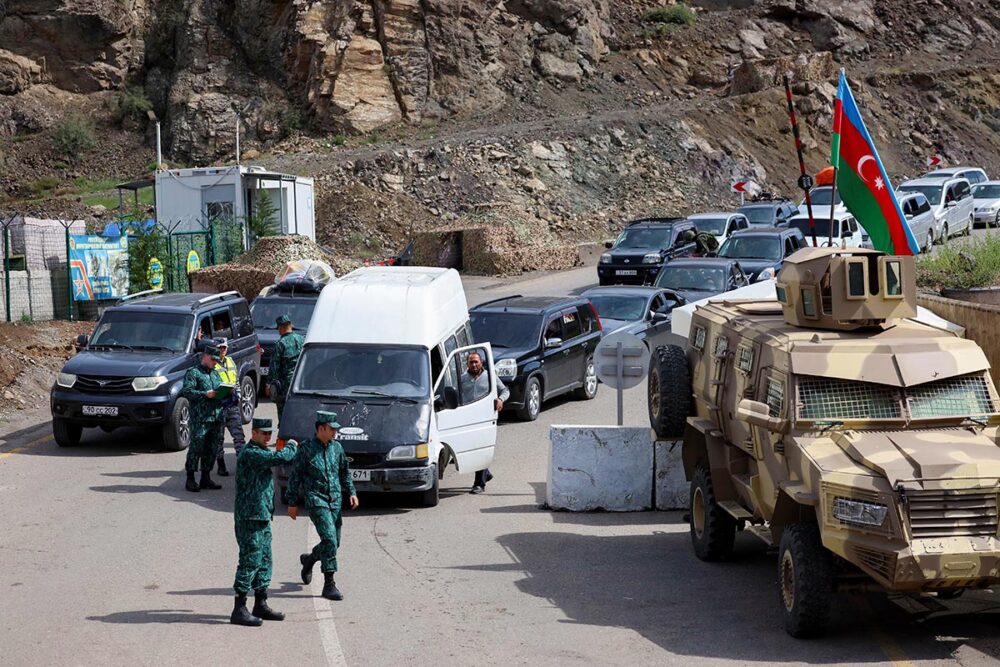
(324, 612)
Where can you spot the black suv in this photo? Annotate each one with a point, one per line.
(762, 252)
(543, 347)
(131, 370)
(297, 299)
(641, 249)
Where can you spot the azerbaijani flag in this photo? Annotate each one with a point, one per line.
(862, 181)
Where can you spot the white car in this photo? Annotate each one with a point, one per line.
(846, 230)
(950, 200)
(974, 175)
(919, 216)
(820, 198)
(986, 197)
(719, 225)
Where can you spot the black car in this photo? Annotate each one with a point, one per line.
(761, 252)
(696, 278)
(131, 370)
(641, 249)
(295, 299)
(543, 347)
(642, 311)
(768, 213)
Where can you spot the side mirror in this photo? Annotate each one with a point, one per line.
(438, 403)
(82, 340)
(660, 317)
(608, 244)
(950, 204)
(551, 343)
(756, 413)
(712, 253)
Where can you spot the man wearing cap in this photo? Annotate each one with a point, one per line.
(319, 478)
(200, 385)
(232, 414)
(281, 367)
(254, 509)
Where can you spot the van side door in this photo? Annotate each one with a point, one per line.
(466, 418)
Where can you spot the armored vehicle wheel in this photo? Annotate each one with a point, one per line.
(177, 430)
(713, 530)
(66, 434)
(669, 391)
(805, 579)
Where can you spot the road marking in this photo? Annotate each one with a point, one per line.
(892, 650)
(324, 612)
(18, 450)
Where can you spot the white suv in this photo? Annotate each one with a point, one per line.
(950, 200)
(974, 175)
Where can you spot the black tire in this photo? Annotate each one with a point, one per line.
(532, 400)
(944, 234)
(805, 581)
(248, 398)
(431, 496)
(996, 222)
(588, 390)
(669, 391)
(929, 246)
(444, 458)
(713, 530)
(177, 430)
(66, 433)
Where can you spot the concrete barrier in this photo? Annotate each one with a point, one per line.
(981, 322)
(670, 485)
(600, 468)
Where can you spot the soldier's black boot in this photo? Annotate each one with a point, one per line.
(330, 591)
(223, 471)
(206, 480)
(261, 610)
(307, 568)
(190, 484)
(243, 617)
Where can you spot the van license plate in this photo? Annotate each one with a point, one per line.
(361, 475)
(626, 272)
(100, 410)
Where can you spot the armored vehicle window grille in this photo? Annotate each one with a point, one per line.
(823, 398)
(699, 338)
(968, 395)
(775, 397)
(721, 346)
(744, 358)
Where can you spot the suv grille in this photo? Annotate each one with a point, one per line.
(951, 513)
(96, 384)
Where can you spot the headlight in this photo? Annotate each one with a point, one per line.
(407, 453)
(861, 513)
(148, 384)
(766, 274)
(606, 258)
(66, 380)
(506, 368)
(652, 258)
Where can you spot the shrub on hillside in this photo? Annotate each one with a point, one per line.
(73, 137)
(680, 14)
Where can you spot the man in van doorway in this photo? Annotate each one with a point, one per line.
(475, 383)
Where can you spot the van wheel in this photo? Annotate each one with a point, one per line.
(177, 430)
(430, 497)
(805, 579)
(669, 391)
(713, 530)
(248, 398)
(589, 388)
(444, 458)
(66, 433)
(532, 400)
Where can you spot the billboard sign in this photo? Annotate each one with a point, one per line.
(98, 267)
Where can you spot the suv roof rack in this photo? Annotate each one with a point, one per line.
(503, 298)
(664, 220)
(216, 297)
(138, 295)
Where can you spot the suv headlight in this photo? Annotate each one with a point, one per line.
(506, 368)
(148, 384)
(766, 274)
(65, 380)
(407, 452)
(858, 512)
(652, 258)
(606, 258)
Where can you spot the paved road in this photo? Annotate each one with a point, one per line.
(105, 559)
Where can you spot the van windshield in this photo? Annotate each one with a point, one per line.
(360, 371)
(143, 330)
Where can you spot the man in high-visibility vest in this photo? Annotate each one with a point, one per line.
(232, 414)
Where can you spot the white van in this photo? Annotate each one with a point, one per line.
(386, 350)
(951, 201)
(846, 230)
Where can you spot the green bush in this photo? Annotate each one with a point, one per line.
(680, 14)
(143, 245)
(74, 136)
(972, 264)
(264, 220)
(133, 105)
(44, 185)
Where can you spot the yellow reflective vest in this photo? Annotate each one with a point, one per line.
(227, 371)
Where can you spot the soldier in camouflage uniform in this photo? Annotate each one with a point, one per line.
(319, 478)
(232, 409)
(282, 364)
(254, 509)
(200, 385)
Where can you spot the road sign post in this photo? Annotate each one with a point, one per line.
(622, 361)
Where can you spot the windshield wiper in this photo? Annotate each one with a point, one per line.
(154, 347)
(978, 421)
(326, 394)
(112, 346)
(382, 394)
(827, 425)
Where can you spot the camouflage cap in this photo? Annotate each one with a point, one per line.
(260, 424)
(213, 352)
(329, 418)
(283, 319)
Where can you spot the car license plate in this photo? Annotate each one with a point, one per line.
(100, 410)
(626, 272)
(361, 475)
(264, 370)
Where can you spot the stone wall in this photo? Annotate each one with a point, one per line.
(489, 251)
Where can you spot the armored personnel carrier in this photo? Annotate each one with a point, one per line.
(860, 442)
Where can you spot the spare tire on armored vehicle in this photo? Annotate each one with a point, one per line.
(669, 391)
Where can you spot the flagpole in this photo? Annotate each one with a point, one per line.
(837, 121)
(804, 181)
